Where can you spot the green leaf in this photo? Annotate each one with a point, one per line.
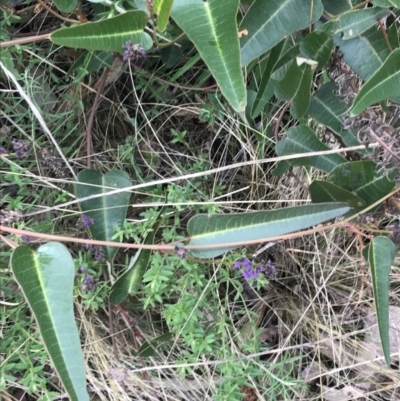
(337, 7)
(324, 191)
(211, 26)
(162, 8)
(131, 280)
(381, 253)
(230, 228)
(66, 6)
(108, 212)
(384, 84)
(318, 46)
(382, 3)
(366, 52)
(46, 277)
(263, 95)
(363, 179)
(301, 139)
(357, 22)
(268, 22)
(295, 86)
(327, 109)
(109, 34)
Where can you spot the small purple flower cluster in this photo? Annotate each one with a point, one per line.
(181, 252)
(85, 221)
(89, 283)
(133, 52)
(97, 251)
(21, 148)
(253, 272)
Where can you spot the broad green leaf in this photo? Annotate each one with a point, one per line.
(324, 191)
(384, 84)
(268, 22)
(295, 87)
(66, 6)
(366, 52)
(318, 46)
(262, 95)
(46, 277)
(337, 7)
(162, 8)
(381, 253)
(131, 280)
(301, 139)
(363, 179)
(230, 228)
(382, 3)
(109, 34)
(108, 212)
(281, 168)
(327, 109)
(211, 26)
(357, 22)
(396, 3)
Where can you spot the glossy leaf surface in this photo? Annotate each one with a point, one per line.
(46, 277)
(301, 139)
(384, 84)
(295, 87)
(268, 22)
(318, 46)
(381, 253)
(109, 34)
(230, 228)
(108, 212)
(162, 8)
(363, 179)
(211, 26)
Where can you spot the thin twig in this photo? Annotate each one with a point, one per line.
(386, 147)
(278, 122)
(56, 14)
(23, 41)
(384, 33)
(88, 133)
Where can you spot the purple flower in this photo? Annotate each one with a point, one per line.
(253, 272)
(133, 52)
(21, 148)
(181, 252)
(3, 151)
(85, 221)
(89, 283)
(98, 252)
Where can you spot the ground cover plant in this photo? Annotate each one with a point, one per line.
(198, 200)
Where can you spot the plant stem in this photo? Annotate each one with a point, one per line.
(55, 13)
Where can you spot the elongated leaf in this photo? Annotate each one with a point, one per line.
(325, 191)
(66, 6)
(363, 179)
(295, 86)
(301, 139)
(230, 228)
(318, 46)
(162, 8)
(357, 22)
(149, 348)
(46, 278)
(211, 26)
(381, 253)
(263, 95)
(327, 109)
(366, 52)
(131, 280)
(268, 22)
(382, 3)
(108, 212)
(337, 7)
(384, 84)
(109, 34)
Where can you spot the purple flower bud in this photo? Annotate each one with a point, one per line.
(181, 252)
(3, 151)
(85, 221)
(21, 148)
(133, 52)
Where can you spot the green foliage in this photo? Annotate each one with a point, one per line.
(257, 56)
(46, 278)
